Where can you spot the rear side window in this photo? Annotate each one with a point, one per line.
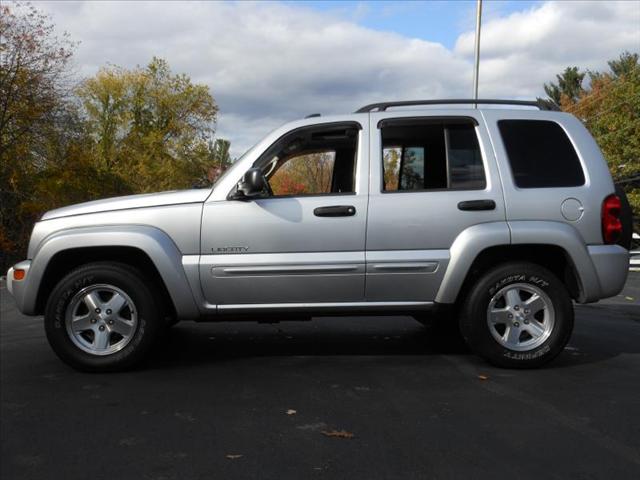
(431, 154)
(540, 154)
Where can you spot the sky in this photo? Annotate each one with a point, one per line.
(267, 63)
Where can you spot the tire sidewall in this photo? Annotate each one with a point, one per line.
(126, 279)
(475, 329)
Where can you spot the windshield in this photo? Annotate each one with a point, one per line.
(235, 163)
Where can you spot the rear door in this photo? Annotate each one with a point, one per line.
(432, 176)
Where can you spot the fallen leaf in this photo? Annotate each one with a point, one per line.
(337, 433)
(629, 298)
(233, 456)
(483, 377)
(291, 412)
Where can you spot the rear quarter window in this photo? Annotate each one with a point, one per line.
(540, 154)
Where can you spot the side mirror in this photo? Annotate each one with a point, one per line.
(253, 185)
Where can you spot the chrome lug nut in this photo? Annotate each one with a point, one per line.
(93, 320)
(516, 324)
(510, 315)
(517, 307)
(526, 311)
(526, 322)
(108, 311)
(110, 322)
(98, 310)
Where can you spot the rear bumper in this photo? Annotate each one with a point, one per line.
(17, 288)
(611, 263)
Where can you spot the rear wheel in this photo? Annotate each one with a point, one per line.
(102, 317)
(518, 315)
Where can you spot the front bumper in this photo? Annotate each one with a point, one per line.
(17, 288)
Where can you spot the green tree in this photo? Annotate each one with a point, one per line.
(150, 126)
(569, 86)
(106, 101)
(625, 65)
(220, 158)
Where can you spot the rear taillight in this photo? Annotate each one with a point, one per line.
(611, 224)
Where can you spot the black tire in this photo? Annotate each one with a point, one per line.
(150, 322)
(473, 315)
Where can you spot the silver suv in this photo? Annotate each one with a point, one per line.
(504, 213)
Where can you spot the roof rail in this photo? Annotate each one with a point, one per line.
(382, 106)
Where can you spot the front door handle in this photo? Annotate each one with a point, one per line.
(335, 211)
(474, 205)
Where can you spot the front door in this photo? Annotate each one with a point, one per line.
(303, 244)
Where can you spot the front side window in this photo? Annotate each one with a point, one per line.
(430, 154)
(309, 173)
(312, 161)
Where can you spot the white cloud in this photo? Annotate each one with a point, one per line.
(526, 49)
(267, 63)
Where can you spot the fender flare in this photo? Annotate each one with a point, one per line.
(464, 250)
(569, 239)
(473, 240)
(155, 243)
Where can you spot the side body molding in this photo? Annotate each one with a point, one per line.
(466, 247)
(569, 239)
(154, 242)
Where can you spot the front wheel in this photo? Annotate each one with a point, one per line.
(102, 317)
(518, 315)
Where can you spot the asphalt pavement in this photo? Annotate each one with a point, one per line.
(335, 398)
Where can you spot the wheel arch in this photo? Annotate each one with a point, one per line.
(147, 248)
(552, 257)
(556, 246)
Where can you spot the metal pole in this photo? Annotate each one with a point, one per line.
(476, 67)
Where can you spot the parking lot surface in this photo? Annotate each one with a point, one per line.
(357, 398)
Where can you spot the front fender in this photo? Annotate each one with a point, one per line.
(154, 242)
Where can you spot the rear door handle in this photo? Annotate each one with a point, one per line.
(335, 211)
(474, 205)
